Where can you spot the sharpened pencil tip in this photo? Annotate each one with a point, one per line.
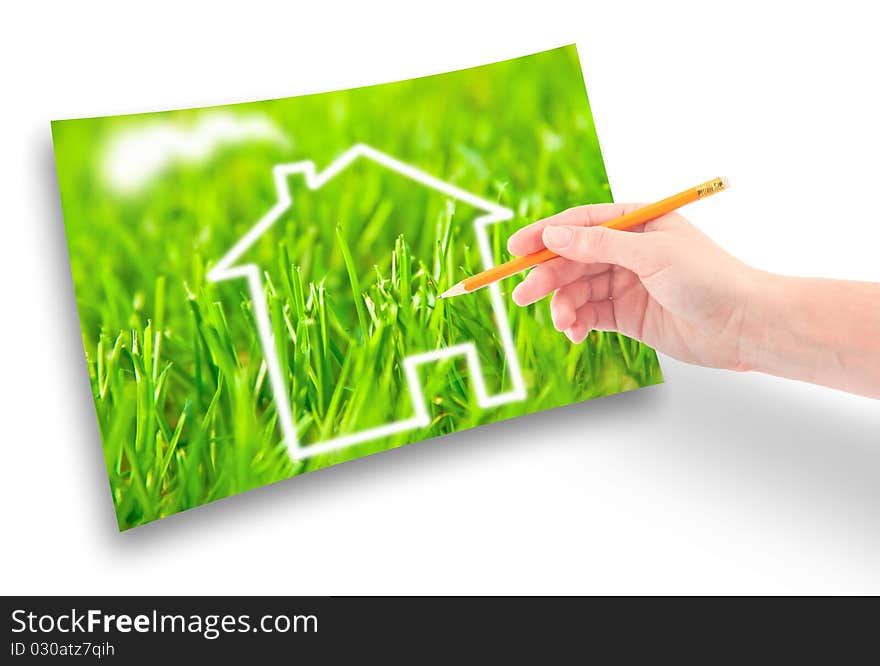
(455, 290)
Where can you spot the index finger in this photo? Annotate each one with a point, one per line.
(528, 239)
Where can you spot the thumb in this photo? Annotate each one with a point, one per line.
(601, 245)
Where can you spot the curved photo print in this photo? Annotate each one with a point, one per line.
(258, 283)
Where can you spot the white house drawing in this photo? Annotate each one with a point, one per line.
(227, 269)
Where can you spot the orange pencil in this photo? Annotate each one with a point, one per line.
(633, 219)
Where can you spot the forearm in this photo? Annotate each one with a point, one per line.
(820, 331)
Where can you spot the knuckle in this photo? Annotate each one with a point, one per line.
(587, 291)
(594, 241)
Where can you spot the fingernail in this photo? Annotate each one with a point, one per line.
(557, 237)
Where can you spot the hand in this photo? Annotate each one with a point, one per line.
(666, 283)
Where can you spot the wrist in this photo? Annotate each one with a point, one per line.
(811, 329)
(786, 328)
(762, 311)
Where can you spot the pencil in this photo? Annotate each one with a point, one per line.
(627, 221)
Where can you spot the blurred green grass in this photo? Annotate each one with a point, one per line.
(183, 402)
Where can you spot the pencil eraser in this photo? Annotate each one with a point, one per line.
(725, 181)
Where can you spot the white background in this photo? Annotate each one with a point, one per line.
(712, 483)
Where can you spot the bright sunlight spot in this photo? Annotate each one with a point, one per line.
(135, 156)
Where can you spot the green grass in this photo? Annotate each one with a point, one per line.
(180, 386)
